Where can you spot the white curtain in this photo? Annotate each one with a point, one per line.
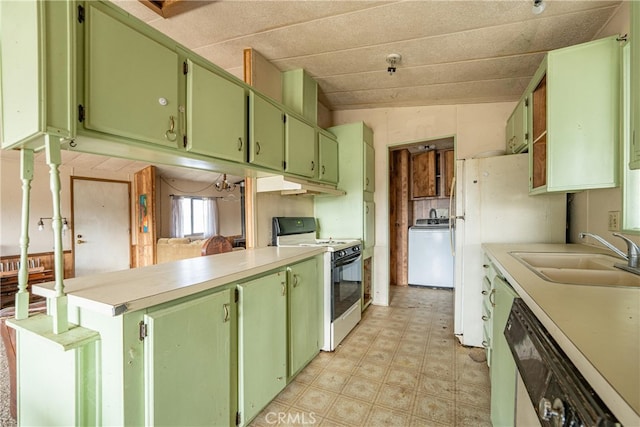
(176, 217)
(211, 221)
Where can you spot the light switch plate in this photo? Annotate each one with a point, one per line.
(614, 221)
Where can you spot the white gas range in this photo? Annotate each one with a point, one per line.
(342, 274)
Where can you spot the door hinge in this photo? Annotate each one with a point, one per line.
(284, 118)
(80, 13)
(526, 102)
(142, 333)
(185, 68)
(236, 295)
(284, 165)
(238, 418)
(526, 136)
(81, 113)
(184, 141)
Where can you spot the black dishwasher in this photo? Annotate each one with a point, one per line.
(556, 388)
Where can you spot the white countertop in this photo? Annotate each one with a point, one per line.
(138, 288)
(598, 327)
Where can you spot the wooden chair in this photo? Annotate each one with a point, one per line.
(216, 245)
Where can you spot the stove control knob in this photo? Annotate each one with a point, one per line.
(553, 413)
(341, 253)
(356, 248)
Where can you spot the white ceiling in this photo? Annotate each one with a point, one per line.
(452, 51)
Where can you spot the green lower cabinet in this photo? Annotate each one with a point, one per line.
(503, 367)
(187, 354)
(262, 343)
(304, 314)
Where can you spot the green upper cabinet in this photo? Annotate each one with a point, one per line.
(574, 118)
(37, 71)
(301, 152)
(503, 367)
(262, 343)
(300, 93)
(634, 155)
(304, 314)
(187, 356)
(266, 133)
(216, 115)
(131, 81)
(328, 158)
(516, 132)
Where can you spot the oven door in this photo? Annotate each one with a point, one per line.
(346, 287)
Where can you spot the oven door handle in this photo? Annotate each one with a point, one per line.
(346, 261)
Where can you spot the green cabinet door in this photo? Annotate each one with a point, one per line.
(304, 314)
(517, 125)
(216, 115)
(369, 168)
(131, 81)
(301, 153)
(634, 155)
(328, 158)
(369, 224)
(266, 133)
(188, 363)
(503, 367)
(262, 343)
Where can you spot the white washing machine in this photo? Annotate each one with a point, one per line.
(430, 256)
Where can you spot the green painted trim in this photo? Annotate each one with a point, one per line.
(41, 325)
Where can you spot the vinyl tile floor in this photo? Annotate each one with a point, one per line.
(401, 366)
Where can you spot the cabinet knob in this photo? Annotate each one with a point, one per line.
(485, 317)
(257, 147)
(240, 144)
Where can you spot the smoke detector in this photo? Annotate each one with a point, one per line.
(393, 59)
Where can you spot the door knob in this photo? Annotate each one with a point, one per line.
(79, 242)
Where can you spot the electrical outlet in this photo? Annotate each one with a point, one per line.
(614, 220)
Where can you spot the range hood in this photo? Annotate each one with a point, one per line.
(295, 187)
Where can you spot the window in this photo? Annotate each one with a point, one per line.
(194, 216)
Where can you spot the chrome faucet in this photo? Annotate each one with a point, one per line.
(433, 214)
(633, 252)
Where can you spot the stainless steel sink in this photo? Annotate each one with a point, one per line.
(578, 268)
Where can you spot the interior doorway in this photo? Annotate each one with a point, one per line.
(101, 225)
(420, 179)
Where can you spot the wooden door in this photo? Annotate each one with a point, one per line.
(449, 171)
(188, 363)
(216, 115)
(101, 226)
(423, 175)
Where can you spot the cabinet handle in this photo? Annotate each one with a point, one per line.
(484, 292)
(485, 344)
(284, 289)
(485, 317)
(367, 182)
(239, 144)
(295, 280)
(322, 169)
(367, 209)
(170, 134)
(493, 303)
(257, 147)
(313, 165)
(485, 265)
(226, 312)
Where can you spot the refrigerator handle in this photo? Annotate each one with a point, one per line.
(452, 218)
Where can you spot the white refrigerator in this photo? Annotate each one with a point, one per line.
(492, 205)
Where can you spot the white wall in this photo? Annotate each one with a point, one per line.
(269, 205)
(41, 205)
(477, 127)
